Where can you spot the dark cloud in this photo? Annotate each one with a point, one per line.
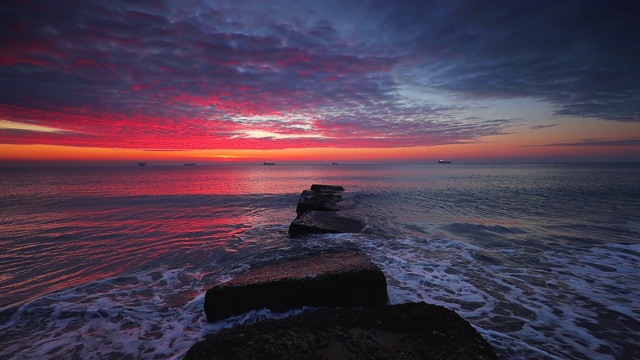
(596, 142)
(208, 71)
(538, 127)
(580, 56)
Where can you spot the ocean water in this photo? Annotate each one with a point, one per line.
(113, 262)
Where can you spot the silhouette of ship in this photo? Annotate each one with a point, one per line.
(142, 163)
(189, 164)
(444, 162)
(269, 163)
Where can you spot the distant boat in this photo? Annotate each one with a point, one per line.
(269, 163)
(334, 163)
(142, 163)
(189, 164)
(444, 162)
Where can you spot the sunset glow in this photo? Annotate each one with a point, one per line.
(303, 81)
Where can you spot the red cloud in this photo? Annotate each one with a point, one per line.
(144, 77)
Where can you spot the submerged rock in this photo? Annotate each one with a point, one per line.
(324, 209)
(314, 222)
(327, 279)
(407, 331)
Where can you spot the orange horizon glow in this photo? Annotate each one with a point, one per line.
(520, 144)
(153, 86)
(478, 152)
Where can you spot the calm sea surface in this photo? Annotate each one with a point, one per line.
(113, 262)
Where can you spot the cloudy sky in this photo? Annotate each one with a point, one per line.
(317, 80)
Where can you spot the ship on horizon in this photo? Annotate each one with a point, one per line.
(269, 163)
(142, 163)
(444, 162)
(189, 164)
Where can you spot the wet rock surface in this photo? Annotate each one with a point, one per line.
(354, 320)
(325, 209)
(406, 331)
(326, 279)
(314, 222)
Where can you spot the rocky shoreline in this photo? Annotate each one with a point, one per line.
(325, 209)
(353, 320)
(406, 331)
(327, 279)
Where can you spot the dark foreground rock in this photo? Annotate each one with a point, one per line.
(407, 331)
(324, 209)
(326, 279)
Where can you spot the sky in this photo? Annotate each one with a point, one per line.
(315, 81)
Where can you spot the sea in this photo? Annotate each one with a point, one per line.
(543, 260)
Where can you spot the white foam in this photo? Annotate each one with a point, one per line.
(118, 317)
(114, 317)
(514, 348)
(547, 308)
(556, 305)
